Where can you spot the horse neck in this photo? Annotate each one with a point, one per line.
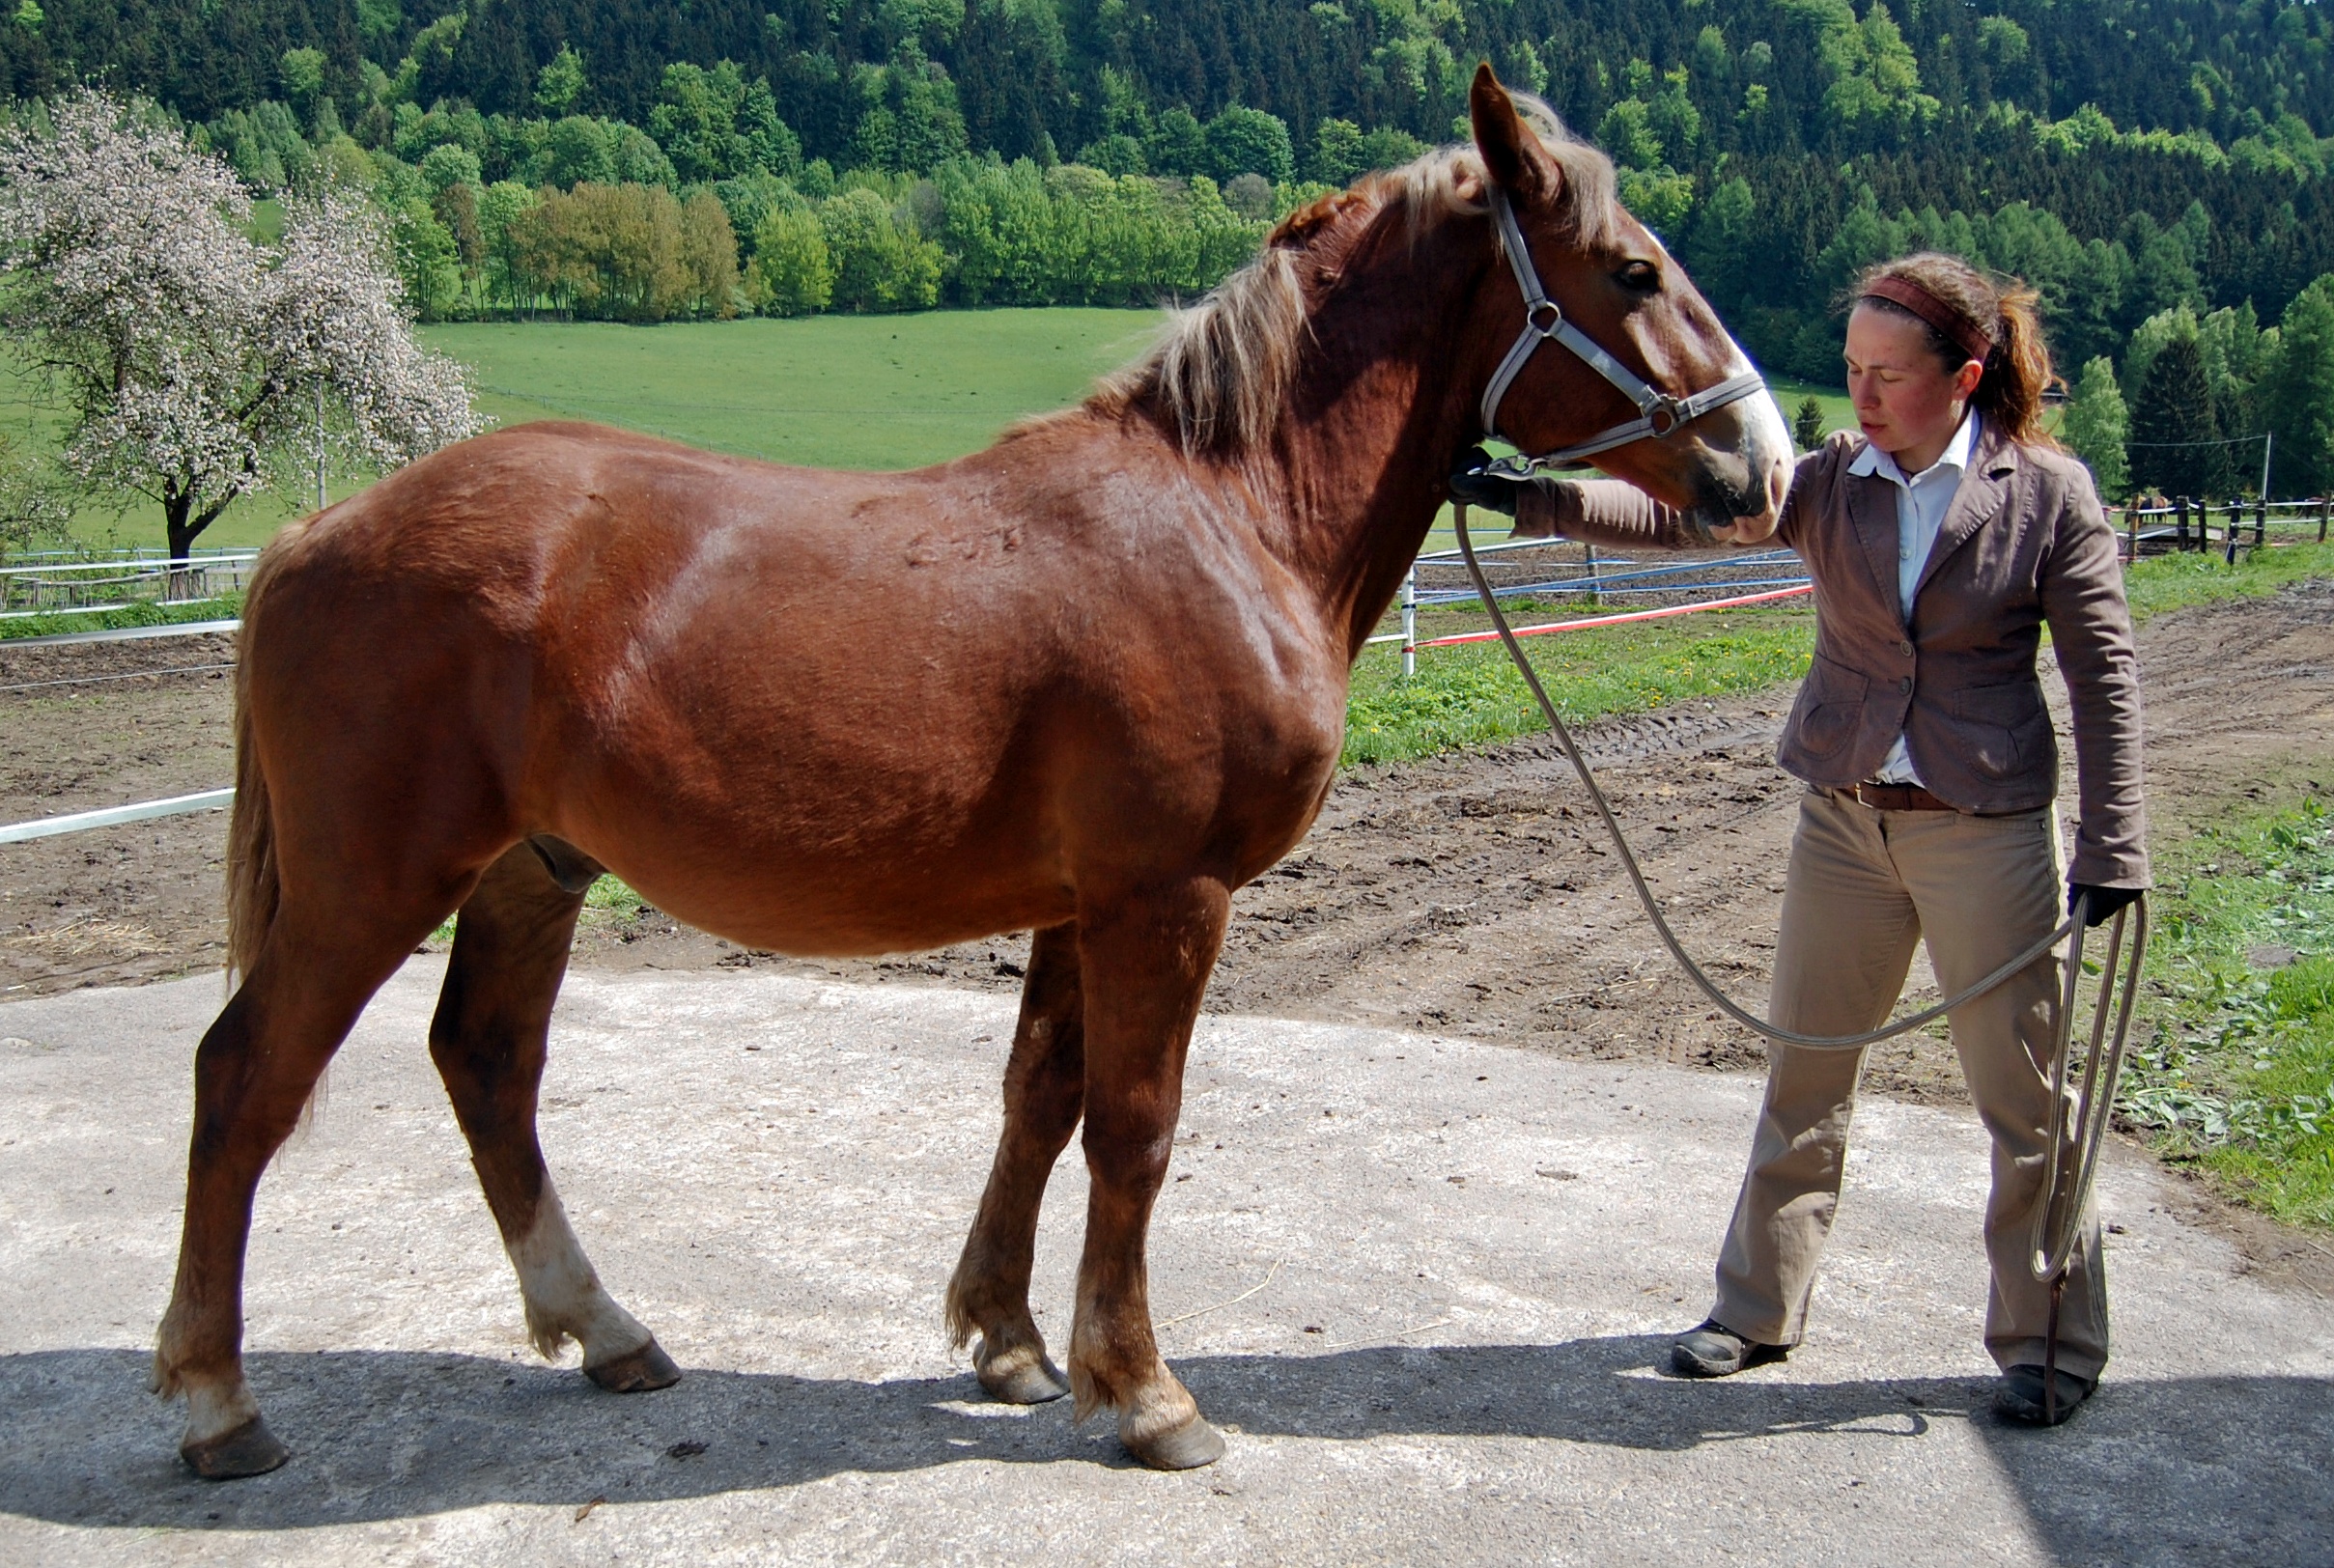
(1384, 398)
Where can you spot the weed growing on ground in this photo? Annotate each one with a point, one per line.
(2234, 1068)
(605, 899)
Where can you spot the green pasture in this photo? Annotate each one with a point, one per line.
(871, 392)
(830, 391)
(826, 391)
(1838, 412)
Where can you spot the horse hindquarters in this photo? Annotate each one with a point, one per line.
(489, 1039)
(1145, 963)
(1045, 1091)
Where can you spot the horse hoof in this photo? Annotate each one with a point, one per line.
(1189, 1446)
(1023, 1383)
(250, 1450)
(635, 1372)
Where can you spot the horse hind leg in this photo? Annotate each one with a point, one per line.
(1044, 1091)
(490, 1041)
(254, 1071)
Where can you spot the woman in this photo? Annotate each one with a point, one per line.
(1941, 542)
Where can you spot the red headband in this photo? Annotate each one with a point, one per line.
(1975, 341)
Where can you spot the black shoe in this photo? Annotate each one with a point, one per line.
(1716, 1351)
(2021, 1397)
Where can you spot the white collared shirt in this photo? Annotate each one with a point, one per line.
(1922, 502)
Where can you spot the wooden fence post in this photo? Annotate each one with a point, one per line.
(2131, 529)
(2237, 520)
(1596, 596)
(2180, 505)
(2260, 522)
(2326, 507)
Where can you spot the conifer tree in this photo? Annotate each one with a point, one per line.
(1807, 428)
(2175, 438)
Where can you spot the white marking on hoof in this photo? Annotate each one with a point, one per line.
(215, 1410)
(563, 1293)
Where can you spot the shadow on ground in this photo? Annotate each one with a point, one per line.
(2177, 1471)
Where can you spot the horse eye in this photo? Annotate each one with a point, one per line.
(1640, 277)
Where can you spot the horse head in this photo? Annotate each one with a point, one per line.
(1615, 284)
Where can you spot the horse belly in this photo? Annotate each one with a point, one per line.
(823, 844)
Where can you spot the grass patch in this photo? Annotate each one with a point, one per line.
(1473, 696)
(2234, 1066)
(607, 901)
(2157, 583)
(225, 608)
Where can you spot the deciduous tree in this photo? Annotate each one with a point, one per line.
(2297, 393)
(194, 365)
(2096, 427)
(792, 273)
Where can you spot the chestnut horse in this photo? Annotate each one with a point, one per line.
(1085, 683)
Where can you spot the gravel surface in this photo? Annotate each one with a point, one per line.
(1424, 1284)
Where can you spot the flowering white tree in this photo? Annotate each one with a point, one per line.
(196, 365)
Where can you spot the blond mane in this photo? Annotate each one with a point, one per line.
(1222, 368)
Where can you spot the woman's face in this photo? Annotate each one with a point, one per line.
(1906, 403)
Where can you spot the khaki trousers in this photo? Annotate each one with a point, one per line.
(1864, 887)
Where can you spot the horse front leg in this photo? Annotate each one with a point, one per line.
(1045, 1090)
(1144, 965)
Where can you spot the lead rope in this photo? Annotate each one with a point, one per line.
(2052, 1247)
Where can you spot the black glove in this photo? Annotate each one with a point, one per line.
(2104, 901)
(1469, 488)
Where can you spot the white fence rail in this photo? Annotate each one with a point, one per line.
(2181, 525)
(52, 583)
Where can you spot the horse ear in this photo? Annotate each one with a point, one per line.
(1501, 135)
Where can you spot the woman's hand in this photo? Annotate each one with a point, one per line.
(1469, 486)
(2104, 901)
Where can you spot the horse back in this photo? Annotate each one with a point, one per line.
(946, 698)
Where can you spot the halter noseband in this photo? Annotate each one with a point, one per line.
(1658, 413)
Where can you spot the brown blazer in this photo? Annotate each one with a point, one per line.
(2024, 544)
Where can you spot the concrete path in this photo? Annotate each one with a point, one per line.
(1423, 1284)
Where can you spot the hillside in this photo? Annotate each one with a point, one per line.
(2141, 161)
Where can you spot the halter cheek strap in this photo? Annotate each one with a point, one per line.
(1658, 413)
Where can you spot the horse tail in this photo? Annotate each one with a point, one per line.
(252, 887)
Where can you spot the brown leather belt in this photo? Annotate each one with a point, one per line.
(1895, 796)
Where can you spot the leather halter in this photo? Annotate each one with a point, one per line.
(1658, 413)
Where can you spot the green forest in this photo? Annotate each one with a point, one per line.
(2153, 166)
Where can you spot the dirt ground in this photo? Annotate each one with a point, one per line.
(1472, 895)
